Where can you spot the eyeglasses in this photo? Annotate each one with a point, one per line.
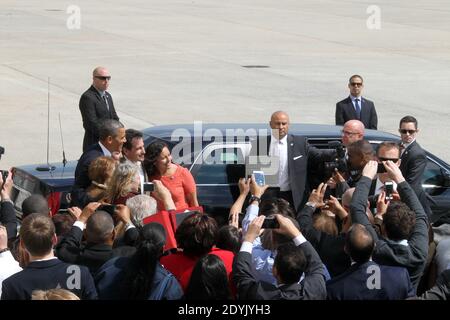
(405, 131)
(354, 84)
(103, 78)
(348, 133)
(387, 159)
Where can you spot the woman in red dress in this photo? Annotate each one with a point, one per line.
(158, 166)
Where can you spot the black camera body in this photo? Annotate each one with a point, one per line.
(148, 187)
(4, 174)
(340, 162)
(270, 222)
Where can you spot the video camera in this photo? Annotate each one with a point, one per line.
(340, 162)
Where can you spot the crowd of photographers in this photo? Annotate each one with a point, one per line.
(358, 230)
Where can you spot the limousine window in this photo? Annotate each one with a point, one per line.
(433, 179)
(219, 166)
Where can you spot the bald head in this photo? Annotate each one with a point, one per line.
(359, 243)
(101, 78)
(353, 131)
(279, 123)
(99, 228)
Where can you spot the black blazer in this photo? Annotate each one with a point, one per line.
(311, 288)
(301, 155)
(93, 108)
(414, 256)
(352, 285)
(346, 111)
(330, 248)
(82, 181)
(8, 219)
(412, 166)
(49, 274)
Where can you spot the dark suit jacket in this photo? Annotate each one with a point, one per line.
(311, 288)
(413, 164)
(301, 155)
(93, 256)
(82, 181)
(352, 285)
(346, 111)
(413, 257)
(330, 248)
(93, 109)
(8, 219)
(49, 274)
(441, 291)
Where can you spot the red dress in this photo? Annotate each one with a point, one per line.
(182, 265)
(180, 184)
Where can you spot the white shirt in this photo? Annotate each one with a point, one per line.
(278, 148)
(405, 146)
(8, 267)
(104, 150)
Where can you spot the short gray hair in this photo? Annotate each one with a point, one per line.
(141, 206)
(109, 128)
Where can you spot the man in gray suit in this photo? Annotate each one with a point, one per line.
(356, 107)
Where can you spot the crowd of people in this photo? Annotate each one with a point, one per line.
(344, 237)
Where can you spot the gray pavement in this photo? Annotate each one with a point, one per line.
(180, 61)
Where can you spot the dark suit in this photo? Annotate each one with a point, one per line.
(413, 256)
(8, 219)
(300, 156)
(82, 181)
(441, 290)
(49, 274)
(93, 256)
(93, 109)
(394, 283)
(412, 166)
(330, 248)
(311, 288)
(345, 111)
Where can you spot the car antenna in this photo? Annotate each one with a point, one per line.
(48, 167)
(62, 141)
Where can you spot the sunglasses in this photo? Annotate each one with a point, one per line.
(387, 159)
(348, 133)
(103, 78)
(405, 131)
(354, 84)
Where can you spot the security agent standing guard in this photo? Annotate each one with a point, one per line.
(96, 104)
(294, 154)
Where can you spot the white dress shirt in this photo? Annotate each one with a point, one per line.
(8, 267)
(278, 148)
(353, 101)
(105, 151)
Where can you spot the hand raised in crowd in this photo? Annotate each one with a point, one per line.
(244, 186)
(163, 194)
(317, 195)
(370, 169)
(123, 213)
(335, 206)
(337, 176)
(75, 212)
(382, 204)
(256, 189)
(88, 211)
(393, 171)
(254, 229)
(233, 219)
(7, 185)
(287, 227)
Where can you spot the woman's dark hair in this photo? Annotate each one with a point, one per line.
(229, 238)
(276, 206)
(152, 153)
(209, 280)
(139, 272)
(196, 235)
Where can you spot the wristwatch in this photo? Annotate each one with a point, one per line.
(310, 204)
(254, 198)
